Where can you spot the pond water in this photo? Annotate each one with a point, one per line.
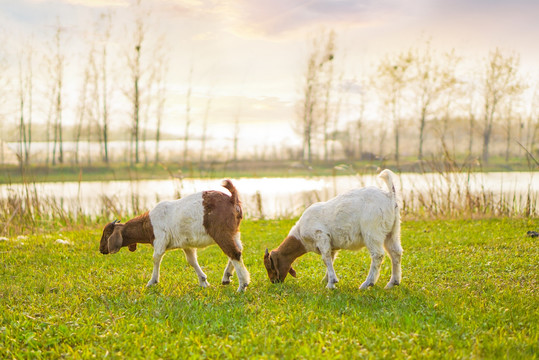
(282, 197)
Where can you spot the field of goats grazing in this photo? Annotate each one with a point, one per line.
(469, 290)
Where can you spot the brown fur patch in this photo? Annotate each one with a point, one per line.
(278, 263)
(136, 230)
(222, 218)
(103, 243)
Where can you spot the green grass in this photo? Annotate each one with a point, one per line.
(469, 290)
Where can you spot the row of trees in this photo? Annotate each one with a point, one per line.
(142, 66)
(421, 88)
(419, 93)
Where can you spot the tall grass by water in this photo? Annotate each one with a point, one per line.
(442, 194)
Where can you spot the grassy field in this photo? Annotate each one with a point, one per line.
(469, 290)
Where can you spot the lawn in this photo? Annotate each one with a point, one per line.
(469, 290)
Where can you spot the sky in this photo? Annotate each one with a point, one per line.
(249, 56)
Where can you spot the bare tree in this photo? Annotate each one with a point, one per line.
(153, 102)
(146, 106)
(308, 121)
(25, 102)
(136, 72)
(106, 25)
(82, 107)
(204, 136)
(327, 71)
(316, 93)
(94, 108)
(501, 80)
(471, 102)
(430, 79)
(235, 138)
(3, 86)
(58, 67)
(533, 119)
(360, 119)
(508, 115)
(146, 92)
(393, 78)
(448, 95)
(160, 70)
(352, 140)
(187, 117)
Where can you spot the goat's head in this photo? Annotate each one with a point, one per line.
(277, 267)
(112, 240)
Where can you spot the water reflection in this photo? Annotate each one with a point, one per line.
(283, 197)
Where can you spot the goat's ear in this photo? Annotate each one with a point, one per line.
(132, 247)
(275, 265)
(266, 254)
(115, 241)
(292, 272)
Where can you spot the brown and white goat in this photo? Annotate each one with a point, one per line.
(195, 221)
(367, 217)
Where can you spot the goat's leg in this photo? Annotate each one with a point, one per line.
(191, 256)
(243, 274)
(377, 255)
(333, 256)
(229, 271)
(324, 248)
(330, 272)
(231, 245)
(158, 253)
(394, 249)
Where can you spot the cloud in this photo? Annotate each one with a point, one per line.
(99, 3)
(276, 18)
(280, 17)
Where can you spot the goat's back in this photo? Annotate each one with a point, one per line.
(194, 220)
(348, 217)
(180, 222)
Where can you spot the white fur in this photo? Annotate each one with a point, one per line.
(367, 217)
(179, 224)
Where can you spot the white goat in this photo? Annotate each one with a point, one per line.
(361, 217)
(195, 221)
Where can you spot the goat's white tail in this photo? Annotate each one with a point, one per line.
(388, 175)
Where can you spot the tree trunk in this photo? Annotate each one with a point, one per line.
(421, 134)
(486, 140)
(105, 108)
(187, 119)
(470, 141)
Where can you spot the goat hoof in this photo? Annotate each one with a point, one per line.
(242, 287)
(391, 284)
(226, 279)
(330, 285)
(365, 285)
(151, 283)
(204, 284)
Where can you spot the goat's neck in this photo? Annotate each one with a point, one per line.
(291, 248)
(138, 230)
